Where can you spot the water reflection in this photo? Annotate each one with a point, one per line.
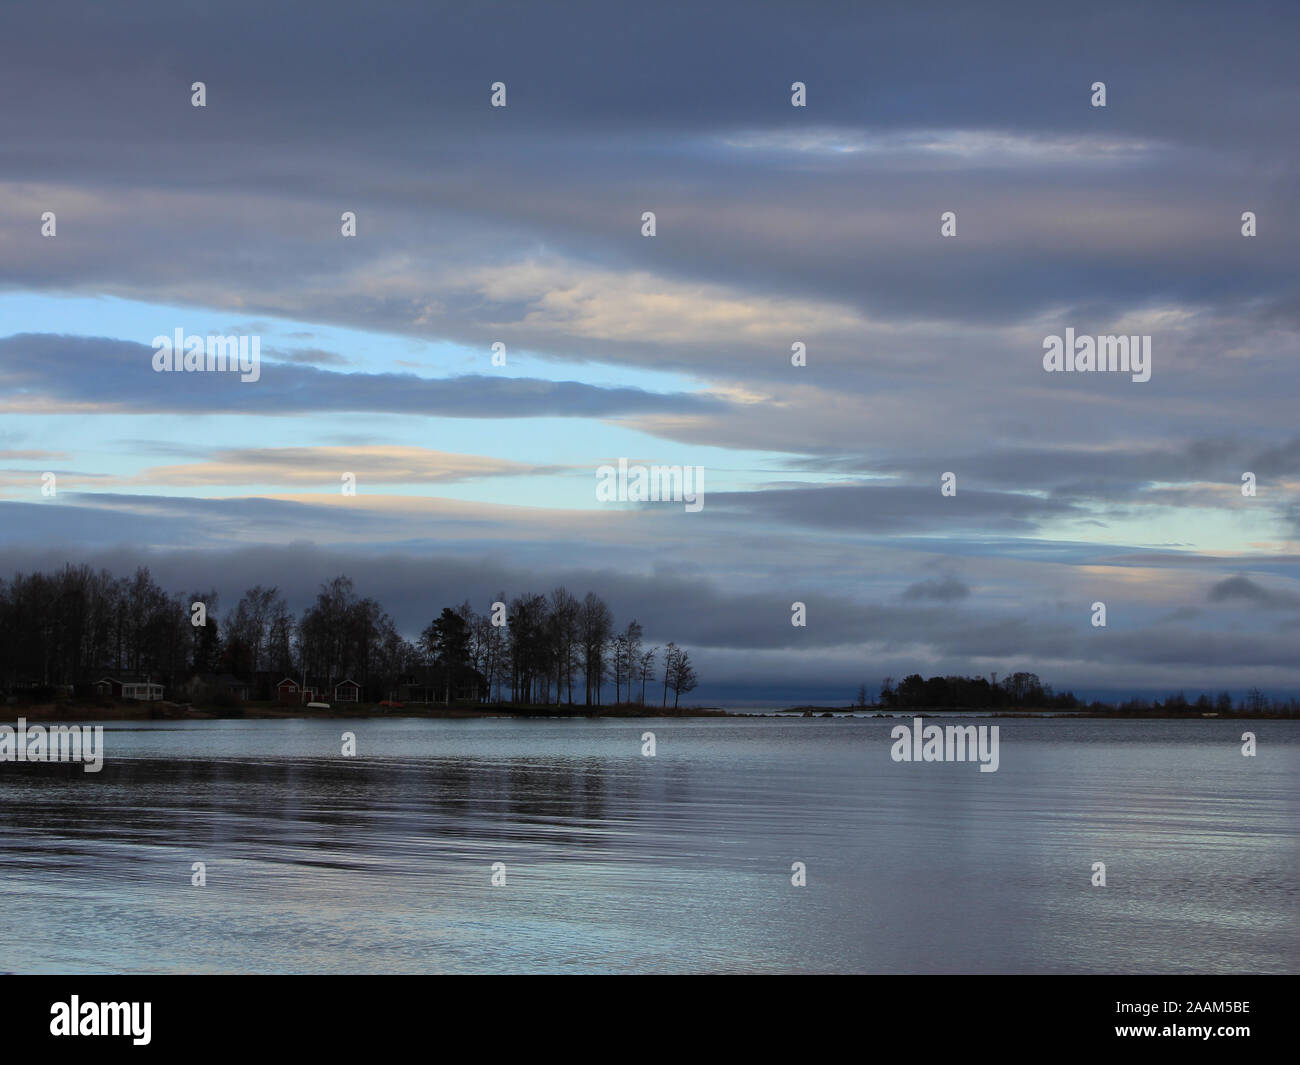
(615, 862)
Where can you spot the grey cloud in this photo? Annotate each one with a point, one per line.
(1243, 589)
(939, 589)
(589, 142)
(118, 375)
(311, 357)
(873, 508)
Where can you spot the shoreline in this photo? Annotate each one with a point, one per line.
(958, 711)
(271, 712)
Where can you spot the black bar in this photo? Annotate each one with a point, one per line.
(340, 1014)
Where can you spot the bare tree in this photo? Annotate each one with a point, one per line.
(248, 629)
(647, 667)
(684, 679)
(619, 658)
(564, 622)
(632, 650)
(671, 654)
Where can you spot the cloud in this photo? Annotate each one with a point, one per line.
(939, 589)
(879, 508)
(317, 465)
(310, 356)
(1243, 589)
(49, 373)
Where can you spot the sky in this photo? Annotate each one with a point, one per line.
(774, 225)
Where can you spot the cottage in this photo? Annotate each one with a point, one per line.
(129, 688)
(347, 691)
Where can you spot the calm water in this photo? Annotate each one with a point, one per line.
(621, 863)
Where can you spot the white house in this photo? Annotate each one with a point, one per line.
(143, 690)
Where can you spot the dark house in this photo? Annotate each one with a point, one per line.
(203, 687)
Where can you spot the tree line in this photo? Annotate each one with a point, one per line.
(77, 624)
(556, 648)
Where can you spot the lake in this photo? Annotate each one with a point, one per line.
(681, 862)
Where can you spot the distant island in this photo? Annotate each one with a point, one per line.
(1023, 694)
